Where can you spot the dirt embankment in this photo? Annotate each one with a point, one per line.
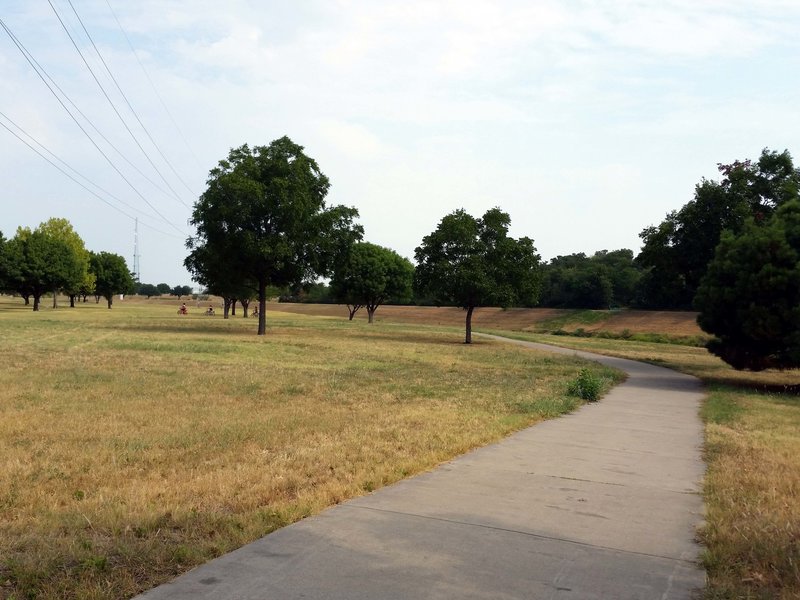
(674, 323)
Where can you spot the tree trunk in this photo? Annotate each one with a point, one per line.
(72, 300)
(245, 304)
(371, 313)
(233, 307)
(110, 300)
(55, 298)
(27, 299)
(36, 299)
(226, 307)
(353, 309)
(97, 299)
(468, 339)
(262, 307)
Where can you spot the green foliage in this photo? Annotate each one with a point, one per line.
(163, 288)
(578, 281)
(586, 385)
(181, 290)
(263, 221)
(4, 266)
(371, 275)
(47, 259)
(750, 297)
(112, 275)
(676, 253)
(471, 262)
(147, 289)
(76, 271)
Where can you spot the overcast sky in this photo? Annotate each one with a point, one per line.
(585, 120)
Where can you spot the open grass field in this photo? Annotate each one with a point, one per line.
(136, 443)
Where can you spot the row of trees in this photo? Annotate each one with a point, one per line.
(263, 224)
(53, 259)
(161, 289)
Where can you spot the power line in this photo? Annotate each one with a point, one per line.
(135, 114)
(26, 54)
(65, 173)
(113, 106)
(153, 86)
(96, 129)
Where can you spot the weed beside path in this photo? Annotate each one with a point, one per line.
(136, 443)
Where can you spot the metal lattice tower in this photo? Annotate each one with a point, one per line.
(136, 273)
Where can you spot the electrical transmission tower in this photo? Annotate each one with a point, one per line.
(136, 273)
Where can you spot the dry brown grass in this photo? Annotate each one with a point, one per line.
(136, 443)
(523, 319)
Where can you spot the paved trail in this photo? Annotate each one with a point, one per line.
(599, 504)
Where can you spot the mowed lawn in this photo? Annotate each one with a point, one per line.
(136, 443)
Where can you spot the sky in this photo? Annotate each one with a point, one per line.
(585, 120)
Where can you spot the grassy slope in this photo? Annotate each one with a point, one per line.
(679, 324)
(136, 443)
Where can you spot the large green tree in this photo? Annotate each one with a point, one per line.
(471, 262)
(750, 296)
(675, 254)
(111, 275)
(370, 276)
(264, 215)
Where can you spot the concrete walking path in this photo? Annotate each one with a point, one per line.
(599, 504)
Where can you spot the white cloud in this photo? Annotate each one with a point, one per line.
(353, 141)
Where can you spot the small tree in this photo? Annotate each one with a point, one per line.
(181, 290)
(471, 262)
(370, 276)
(147, 289)
(163, 288)
(750, 295)
(112, 275)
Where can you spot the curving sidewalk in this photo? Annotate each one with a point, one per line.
(598, 504)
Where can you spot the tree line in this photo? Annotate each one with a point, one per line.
(264, 229)
(53, 259)
(263, 226)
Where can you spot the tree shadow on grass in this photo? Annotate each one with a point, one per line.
(791, 390)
